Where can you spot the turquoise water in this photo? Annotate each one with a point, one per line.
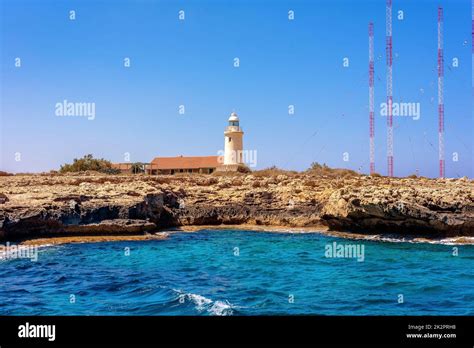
(269, 274)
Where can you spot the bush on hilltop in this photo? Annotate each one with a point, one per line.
(273, 171)
(89, 163)
(317, 169)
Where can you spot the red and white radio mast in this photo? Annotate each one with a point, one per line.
(371, 97)
(388, 26)
(440, 93)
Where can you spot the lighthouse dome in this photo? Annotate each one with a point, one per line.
(234, 117)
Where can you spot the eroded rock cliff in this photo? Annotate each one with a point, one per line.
(48, 205)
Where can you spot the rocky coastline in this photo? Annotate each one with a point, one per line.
(91, 204)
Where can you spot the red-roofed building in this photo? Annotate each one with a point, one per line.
(232, 159)
(180, 164)
(123, 167)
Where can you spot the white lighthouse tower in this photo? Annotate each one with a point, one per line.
(233, 146)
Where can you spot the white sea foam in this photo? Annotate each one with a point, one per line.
(378, 237)
(444, 241)
(454, 241)
(399, 239)
(200, 301)
(220, 308)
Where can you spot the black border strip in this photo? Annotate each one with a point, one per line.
(291, 330)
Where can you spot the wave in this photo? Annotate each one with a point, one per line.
(460, 240)
(206, 305)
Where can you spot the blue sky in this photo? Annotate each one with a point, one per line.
(190, 63)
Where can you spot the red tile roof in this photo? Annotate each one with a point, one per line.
(181, 162)
(122, 166)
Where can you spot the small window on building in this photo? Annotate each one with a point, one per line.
(230, 139)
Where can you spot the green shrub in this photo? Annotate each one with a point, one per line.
(89, 163)
(273, 171)
(112, 171)
(324, 170)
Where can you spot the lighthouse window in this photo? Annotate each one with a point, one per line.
(230, 139)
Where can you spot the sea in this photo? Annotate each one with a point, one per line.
(241, 273)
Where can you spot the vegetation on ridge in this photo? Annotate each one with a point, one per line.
(89, 163)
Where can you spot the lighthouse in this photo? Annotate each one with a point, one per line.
(233, 145)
